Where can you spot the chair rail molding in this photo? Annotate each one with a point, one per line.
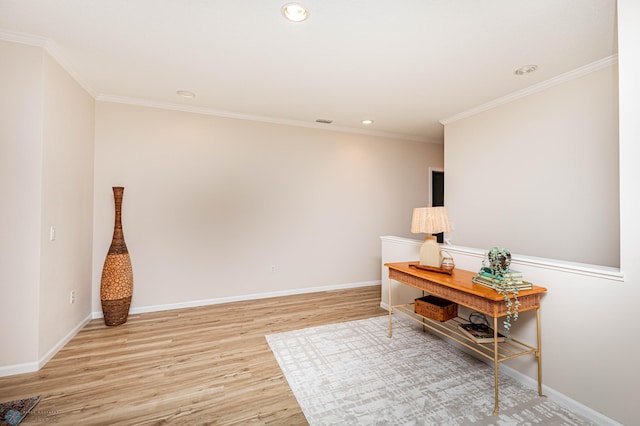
(603, 272)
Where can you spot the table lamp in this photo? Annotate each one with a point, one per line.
(430, 220)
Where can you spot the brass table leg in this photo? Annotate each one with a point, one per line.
(539, 353)
(390, 312)
(496, 364)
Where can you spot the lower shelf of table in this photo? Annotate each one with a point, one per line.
(508, 349)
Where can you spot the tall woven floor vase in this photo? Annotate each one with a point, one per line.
(116, 285)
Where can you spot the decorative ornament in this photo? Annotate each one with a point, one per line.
(498, 260)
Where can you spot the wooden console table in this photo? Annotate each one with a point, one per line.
(459, 289)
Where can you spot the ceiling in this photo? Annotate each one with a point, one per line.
(405, 64)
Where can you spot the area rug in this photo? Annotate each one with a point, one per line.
(352, 374)
(13, 412)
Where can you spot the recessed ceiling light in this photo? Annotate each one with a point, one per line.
(294, 12)
(367, 121)
(185, 94)
(526, 69)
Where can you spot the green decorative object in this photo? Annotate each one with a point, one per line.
(499, 260)
(496, 264)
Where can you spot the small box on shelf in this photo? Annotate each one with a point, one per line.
(436, 308)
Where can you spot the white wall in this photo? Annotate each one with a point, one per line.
(67, 205)
(540, 175)
(397, 249)
(624, 383)
(210, 203)
(600, 372)
(46, 170)
(21, 177)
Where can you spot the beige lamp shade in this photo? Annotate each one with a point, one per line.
(430, 220)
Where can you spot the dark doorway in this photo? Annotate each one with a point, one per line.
(437, 194)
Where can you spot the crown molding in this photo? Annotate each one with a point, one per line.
(22, 38)
(250, 117)
(52, 49)
(56, 53)
(562, 78)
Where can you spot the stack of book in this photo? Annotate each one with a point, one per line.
(480, 333)
(511, 278)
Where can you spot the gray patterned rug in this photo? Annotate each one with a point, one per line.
(353, 374)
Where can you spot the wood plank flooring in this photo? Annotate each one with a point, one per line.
(209, 365)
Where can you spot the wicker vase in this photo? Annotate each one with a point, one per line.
(116, 285)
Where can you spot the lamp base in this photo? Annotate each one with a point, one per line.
(430, 254)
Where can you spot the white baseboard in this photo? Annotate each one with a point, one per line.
(31, 367)
(11, 370)
(558, 397)
(47, 357)
(255, 296)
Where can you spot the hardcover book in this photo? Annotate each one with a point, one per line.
(510, 275)
(488, 282)
(479, 332)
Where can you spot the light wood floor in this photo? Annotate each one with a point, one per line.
(205, 365)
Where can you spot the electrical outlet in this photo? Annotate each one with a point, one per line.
(72, 297)
(52, 234)
(273, 268)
